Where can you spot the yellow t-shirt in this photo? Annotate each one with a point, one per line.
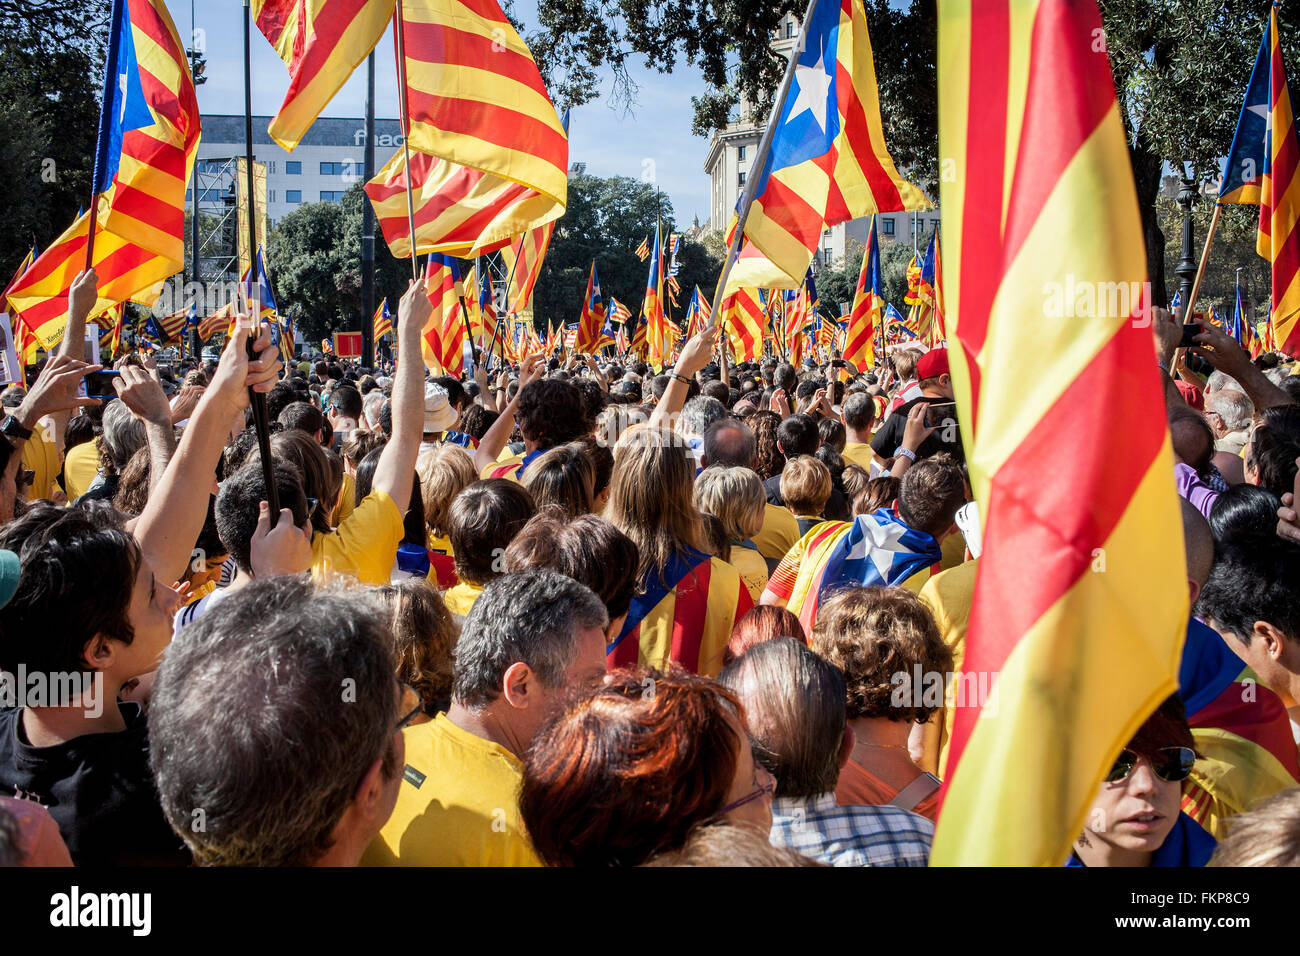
(365, 545)
(80, 467)
(440, 543)
(948, 595)
(496, 467)
(858, 453)
(460, 598)
(40, 455)
(347, 499)
(779, 532)
(458, 804)
(752, 568)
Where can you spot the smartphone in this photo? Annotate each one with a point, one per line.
(939, 412)
(1190, 330)
(100, 384)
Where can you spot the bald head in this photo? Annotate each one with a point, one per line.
(1198, 546)
(1192, 439)
(728, 442)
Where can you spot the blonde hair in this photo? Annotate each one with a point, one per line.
(733, 495)
(1267, 835)
(805, 485)
(652, 497)
(444, 473)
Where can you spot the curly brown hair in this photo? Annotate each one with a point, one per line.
(874, 635)
(768, 460)
(424, 637)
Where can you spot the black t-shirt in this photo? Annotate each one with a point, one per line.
(946, 437)
(98, 788)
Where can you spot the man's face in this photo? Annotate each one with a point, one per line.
(587, 667)
(153, 606)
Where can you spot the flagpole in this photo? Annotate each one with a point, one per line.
(764, 150)
(1200, 271)
(368, 225)
(256, 399)
(404, 120)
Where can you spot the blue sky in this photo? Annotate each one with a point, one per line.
(608, 141)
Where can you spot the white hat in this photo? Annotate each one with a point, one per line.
(438, 413)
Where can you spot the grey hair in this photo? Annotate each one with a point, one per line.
(531, 617)
(1232, 406)
(266, 714)
(795, 708)
(1220, 379)
(1277, 374)
(373, 404)
(734, 496)
(123, 434)
(729, 441)
(701, 412)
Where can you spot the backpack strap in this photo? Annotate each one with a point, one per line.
(926, 785)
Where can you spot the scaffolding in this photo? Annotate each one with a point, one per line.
(215, 198)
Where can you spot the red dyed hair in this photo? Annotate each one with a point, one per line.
(627, 769)
(762, 622)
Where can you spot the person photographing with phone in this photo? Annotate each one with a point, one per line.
(935, 383)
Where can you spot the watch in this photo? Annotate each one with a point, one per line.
(14, 428)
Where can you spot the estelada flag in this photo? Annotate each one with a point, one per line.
(868, 306)
(827, 162)
(1079, 609)
(443, 340)
(683, 614)
(592, 317)
(321, 42)
(149, 133)
(383, 321)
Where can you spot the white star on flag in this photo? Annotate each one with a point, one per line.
(879, 543)
(814, 83)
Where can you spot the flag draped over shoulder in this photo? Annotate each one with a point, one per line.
(868, 307)
(321, 42)
(828, 162)
(1263, 166)
(443, 341)
(151, 118)
(684, 616)
(1080, 604)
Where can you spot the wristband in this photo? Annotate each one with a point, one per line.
(681, 378)
(905, 452)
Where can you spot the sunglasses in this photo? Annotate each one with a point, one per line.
(411, 704)
(312, 505)
(25, 478)
(1171, 765)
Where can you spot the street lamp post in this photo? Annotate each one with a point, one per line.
(1186, 269)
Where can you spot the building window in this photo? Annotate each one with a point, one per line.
(335, 196)
(886, 227)
(270, 167)
(789, 29)
(270, 195)
(742, 177)
(336, 169)
(740, 153)
(293, 195)
(293, 167)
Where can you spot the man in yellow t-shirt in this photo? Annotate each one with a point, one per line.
(458, 804)
(80, 466)
(858, 415)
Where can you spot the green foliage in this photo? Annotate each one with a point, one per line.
(605, 221)
(51, 63)
(836, 286)
(313, 256)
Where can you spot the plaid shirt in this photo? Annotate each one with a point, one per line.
(850, 836)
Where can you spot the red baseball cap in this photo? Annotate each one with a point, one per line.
(932, 364)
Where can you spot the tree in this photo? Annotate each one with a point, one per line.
(313, 256)
(837, 285)
(51, 67)
(605, 220)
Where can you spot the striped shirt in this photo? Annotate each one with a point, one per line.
(850, 836)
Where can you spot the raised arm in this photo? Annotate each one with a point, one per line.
(695, 355)
(173, 517)
(1223, 352)
(396, 466)
(489, 447)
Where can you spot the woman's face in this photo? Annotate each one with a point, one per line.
(750, 777)
(1134, 815)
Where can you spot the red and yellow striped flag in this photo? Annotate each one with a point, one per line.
(218, 321)
(1080, 605)
(1278, 240)
(443, 341)
(321, 42)
(868, 307)
(523, 260)
(474, 96)
(383, 321)
(140, 239)
(742, 320)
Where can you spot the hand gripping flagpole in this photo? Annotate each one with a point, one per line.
(764, 153)
(256, 399)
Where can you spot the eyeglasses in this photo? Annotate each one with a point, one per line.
(1172, 765)
(312, 505)
(410, 702)
(25, 478)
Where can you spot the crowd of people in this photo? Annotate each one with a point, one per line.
(576, 611)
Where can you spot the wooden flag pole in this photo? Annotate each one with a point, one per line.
(257, 400)
(1200, 270)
